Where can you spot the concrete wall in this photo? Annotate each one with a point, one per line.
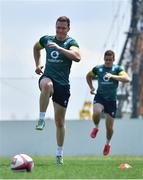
(21, 137)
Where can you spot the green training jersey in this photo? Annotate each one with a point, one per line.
(107, 87)
(57, 64)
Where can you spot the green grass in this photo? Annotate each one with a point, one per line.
(77, 168)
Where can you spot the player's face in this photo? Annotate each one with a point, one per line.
(61, 30)
(108, 60)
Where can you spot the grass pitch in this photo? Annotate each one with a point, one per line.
(83, 167)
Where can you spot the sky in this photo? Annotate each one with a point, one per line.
(97, 25)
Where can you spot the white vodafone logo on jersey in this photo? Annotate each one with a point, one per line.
(55, 54)
(106, 78)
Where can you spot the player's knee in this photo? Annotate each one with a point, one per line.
(47, 87)
(59, 123)
(96, 114)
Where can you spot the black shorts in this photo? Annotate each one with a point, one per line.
(109, 106)
(61, 92)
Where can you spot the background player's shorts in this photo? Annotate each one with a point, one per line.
(109, 106)
(61, 92)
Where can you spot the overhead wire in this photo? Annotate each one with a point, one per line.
(111, 28)
(115, 28)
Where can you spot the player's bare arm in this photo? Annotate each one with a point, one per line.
(123, 76)
(89, 78)
(37, 57)
(73, 53)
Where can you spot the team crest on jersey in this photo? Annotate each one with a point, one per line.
(55, 54)
(65, 43)
(113, 68)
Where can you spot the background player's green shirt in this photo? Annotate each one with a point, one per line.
(57, 64)
(107, 87)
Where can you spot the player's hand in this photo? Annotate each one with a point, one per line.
(39, 70)
(53, 45)
(92, 91)
(108, 75)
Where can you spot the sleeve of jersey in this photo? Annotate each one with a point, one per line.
(42, 41)
(120, 70)
(94, 71)
(73, 43)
